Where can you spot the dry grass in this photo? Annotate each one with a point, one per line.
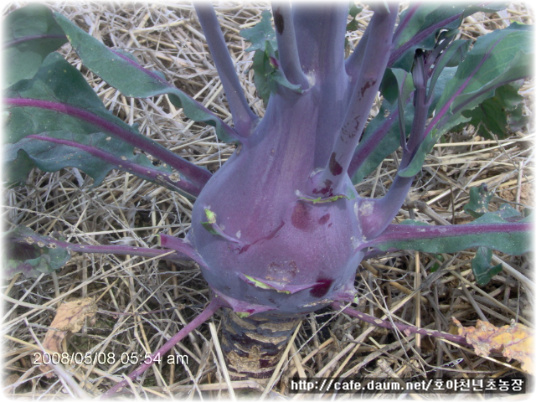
(142, 303)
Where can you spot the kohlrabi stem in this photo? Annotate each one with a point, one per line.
(243, 117)
(436, 120)
(421, 105)
(365, 87)
(402, 48)
(208, 312)
(286, 45)
(355, 60)
(145, 172)
(371, 142)
(405, 328)
(364, 91)
(30, 38)
(419, 232)
(320, 31)
(197, 175)
(181, 247)
(174, 253)
(376, 214)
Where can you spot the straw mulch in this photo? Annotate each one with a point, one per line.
(142, 303)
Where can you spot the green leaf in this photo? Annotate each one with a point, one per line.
(478, 205)
(497, 114)
(397, 84)
(496, 59)
(451, 57)
(125, 74)
(490, 230)
(397, 87)
(48, 157)
(267, 75)
(30, 34)
(507, 212)
(440, 259)
(261, 35)
(429, 19)
(386, 145)
(353, 24)
(210, 223)
(479, 198)
(28, 254)
(63, 84)
(482, 268)
(354, 10)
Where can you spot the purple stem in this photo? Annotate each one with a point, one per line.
(398, 52)
(145, 172)
(375, 215)
(405, 21)
(446, 107)
(23, 39)
(197, 175)
(371, 142)
(415, 232)
(433, 60)
(243, 117)
(385, 209)
(355, 60)
(176, 256)
(405, 328)
(287, 46)
(380, 212)
(182, 247)
(320, 31)
(364, 93)
(421, 104)
(214, 305)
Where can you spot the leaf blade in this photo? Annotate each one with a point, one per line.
(31, 33)
(57, 103)
(496, 59)
(125, 74)
(490, 230)
(29, 255)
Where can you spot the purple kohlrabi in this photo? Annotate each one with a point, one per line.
(277, 226)
(257, 225)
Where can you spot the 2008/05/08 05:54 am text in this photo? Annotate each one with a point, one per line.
(106, 358)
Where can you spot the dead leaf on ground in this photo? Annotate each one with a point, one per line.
(69, 319)
(512, 341)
